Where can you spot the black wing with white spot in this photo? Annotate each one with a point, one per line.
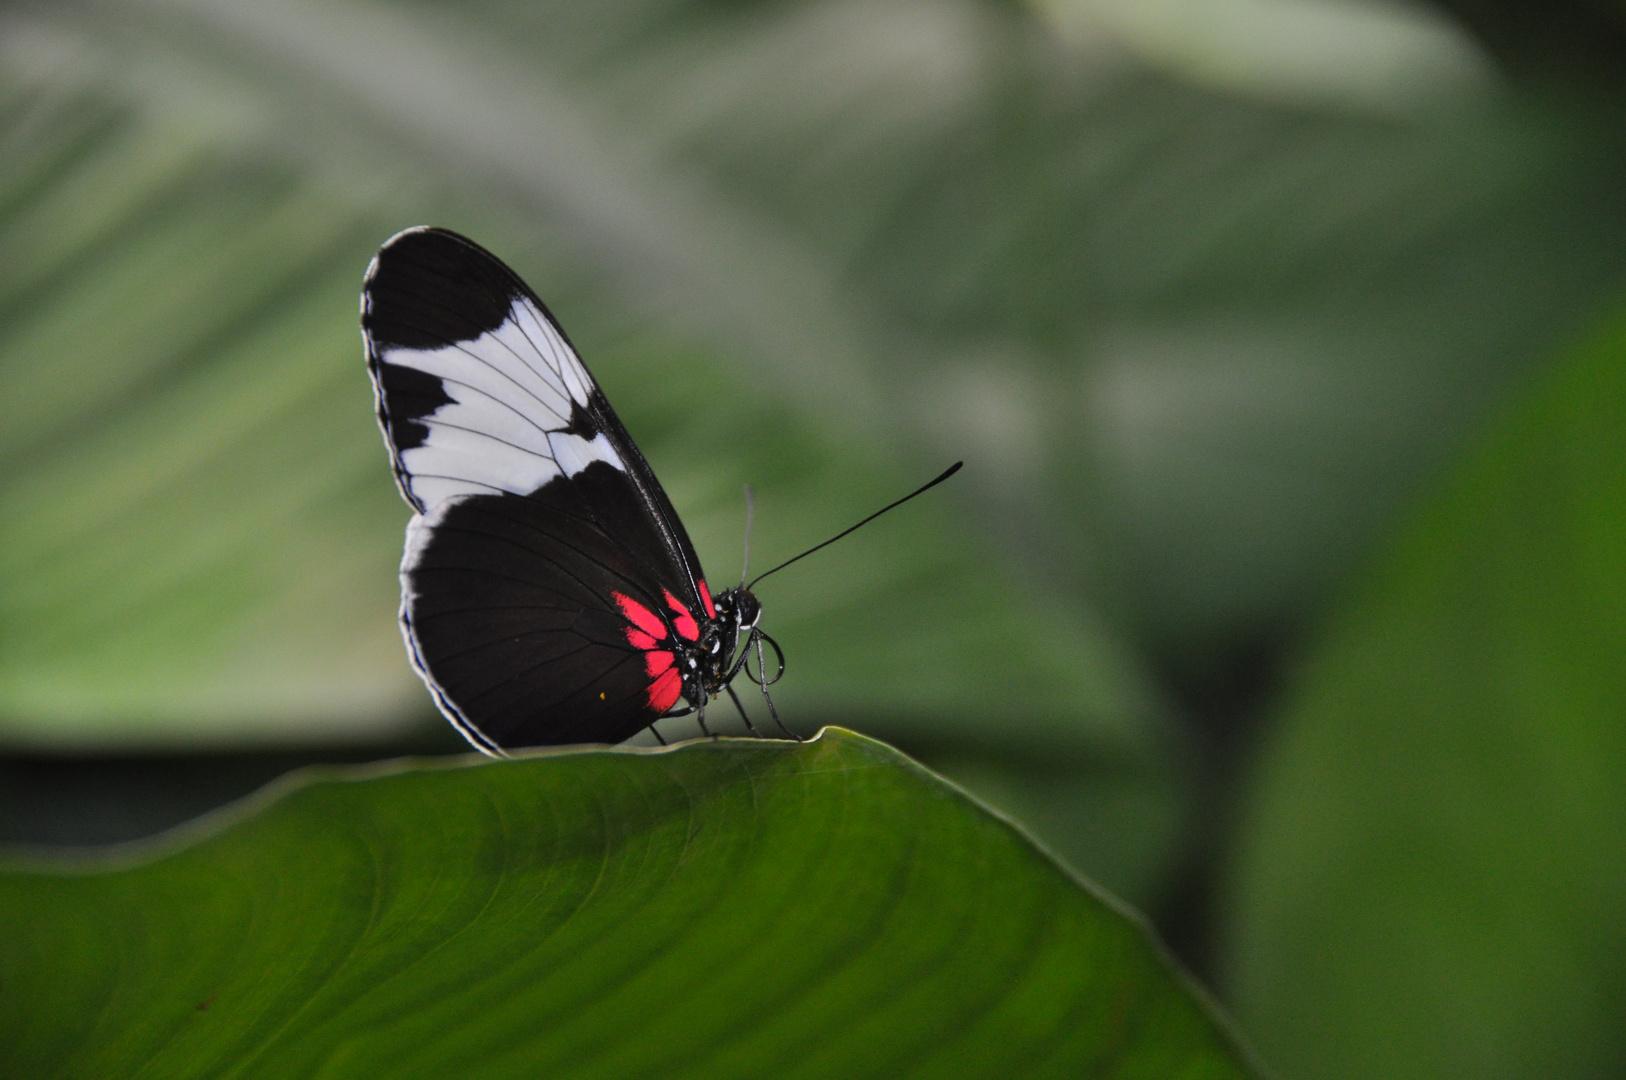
(538, 524)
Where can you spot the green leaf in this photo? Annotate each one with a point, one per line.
(1433, 876)
(732, 908)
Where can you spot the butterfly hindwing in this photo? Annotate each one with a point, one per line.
(543, 553)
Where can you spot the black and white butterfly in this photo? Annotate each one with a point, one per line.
(549, 592)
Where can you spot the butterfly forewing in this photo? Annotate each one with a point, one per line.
(545, 568)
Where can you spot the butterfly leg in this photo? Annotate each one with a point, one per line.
(762, 679)
(704, 730)
(657, 735)
(752, 728)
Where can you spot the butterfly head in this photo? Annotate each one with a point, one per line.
(738, 609)
(738, 612)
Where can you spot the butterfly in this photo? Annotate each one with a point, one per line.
(549, 592)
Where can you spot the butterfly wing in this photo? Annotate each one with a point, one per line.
(546, 575)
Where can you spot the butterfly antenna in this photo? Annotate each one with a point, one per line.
(922, 489)
(750, 516)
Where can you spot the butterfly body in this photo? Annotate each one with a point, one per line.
(549, 591)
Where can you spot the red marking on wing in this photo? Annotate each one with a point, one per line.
(682, 620)
(641, 617)
(646, 631)
(664, 691)
(705, 599)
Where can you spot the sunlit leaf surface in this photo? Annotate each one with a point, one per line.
(722, 909)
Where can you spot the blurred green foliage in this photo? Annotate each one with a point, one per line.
(1437, 845)
(1201, 289)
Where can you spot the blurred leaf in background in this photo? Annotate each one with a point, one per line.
(1433, 869)
(1200, 289)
